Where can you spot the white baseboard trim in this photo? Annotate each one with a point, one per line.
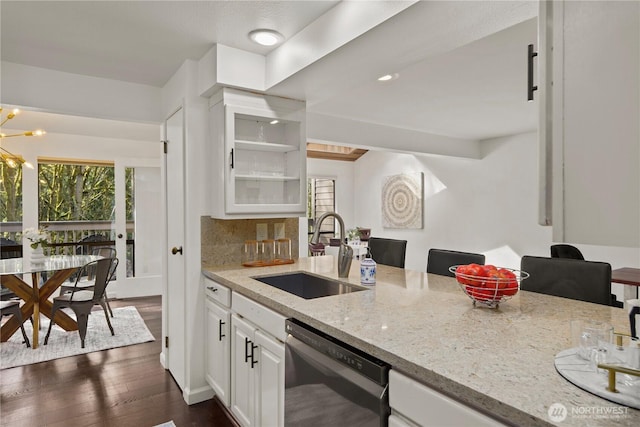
(198, 395)
(163, 361)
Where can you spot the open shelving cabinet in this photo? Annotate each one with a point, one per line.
(260, 143)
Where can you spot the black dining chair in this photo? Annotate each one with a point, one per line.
(566, 251)
(81, 300)
(8, 249)
(569, 278)
(12, 307)
(86, 245)
(439, 260)
(86, 283)
(316, 249)
(388, 251)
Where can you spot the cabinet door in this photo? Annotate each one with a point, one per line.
(242, 371)
(266, 171)
(269, 381)
(596, 138)
(218, 350)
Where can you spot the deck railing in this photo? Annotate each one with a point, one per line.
(68, 238)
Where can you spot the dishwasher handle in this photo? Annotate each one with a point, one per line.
(344, 354)
(331, 367)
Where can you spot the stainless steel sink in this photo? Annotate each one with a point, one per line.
(308, 286)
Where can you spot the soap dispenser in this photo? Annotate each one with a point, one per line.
(368, 270)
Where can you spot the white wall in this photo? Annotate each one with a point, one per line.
(487, 205)
(343, 173)
(75, 94)
(80, 146)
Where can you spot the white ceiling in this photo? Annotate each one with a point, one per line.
(461, 75)
(140, 41)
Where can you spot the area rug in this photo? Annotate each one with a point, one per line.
(127, 324)
(167, 424)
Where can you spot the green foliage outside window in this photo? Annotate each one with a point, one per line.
(70, 192)
(67, 192)
(10, 193)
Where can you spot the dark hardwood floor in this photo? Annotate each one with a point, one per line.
(119, 387)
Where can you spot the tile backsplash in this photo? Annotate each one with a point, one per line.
(223, 240)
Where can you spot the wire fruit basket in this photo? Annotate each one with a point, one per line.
(490, 285)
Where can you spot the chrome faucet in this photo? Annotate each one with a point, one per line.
(345, 253)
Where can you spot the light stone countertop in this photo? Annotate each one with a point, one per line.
(500, 361)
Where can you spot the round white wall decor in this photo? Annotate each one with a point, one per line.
(402, 201)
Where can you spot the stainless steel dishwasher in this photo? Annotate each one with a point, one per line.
(329, 383)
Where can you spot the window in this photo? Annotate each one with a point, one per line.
(321, 199)
(76, 203)
(75, 192)
(11, 210)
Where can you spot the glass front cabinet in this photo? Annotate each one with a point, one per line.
(259, 155)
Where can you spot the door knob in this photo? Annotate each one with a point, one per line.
(176, 250)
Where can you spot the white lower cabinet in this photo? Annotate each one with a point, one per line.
(257, 365)
(218, 339)
(270, 381)
(413, 403)
(242, 366)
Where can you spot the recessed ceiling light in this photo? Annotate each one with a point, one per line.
(273, 122)
(388, 77)
(266, 37)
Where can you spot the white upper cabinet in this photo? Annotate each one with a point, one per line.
(590, 120)
(259, 155)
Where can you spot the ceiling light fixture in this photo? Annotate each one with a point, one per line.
(388, 77)
(13, 160)
(7, 157)
(273, 122)
(266, 37)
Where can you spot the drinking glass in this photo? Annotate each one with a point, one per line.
(283, 250)
(592, 339)
(250, 253)
(268, 251)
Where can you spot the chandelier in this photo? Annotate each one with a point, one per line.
(10, 159)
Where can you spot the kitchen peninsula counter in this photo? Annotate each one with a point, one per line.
(499, 361)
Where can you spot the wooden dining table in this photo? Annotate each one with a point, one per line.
(58, 268)
(630, 277)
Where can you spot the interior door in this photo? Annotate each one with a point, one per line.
(138, 189)
(174, 301)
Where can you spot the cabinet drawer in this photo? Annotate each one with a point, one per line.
(427, 407)
(268, 320)
(217, 292)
